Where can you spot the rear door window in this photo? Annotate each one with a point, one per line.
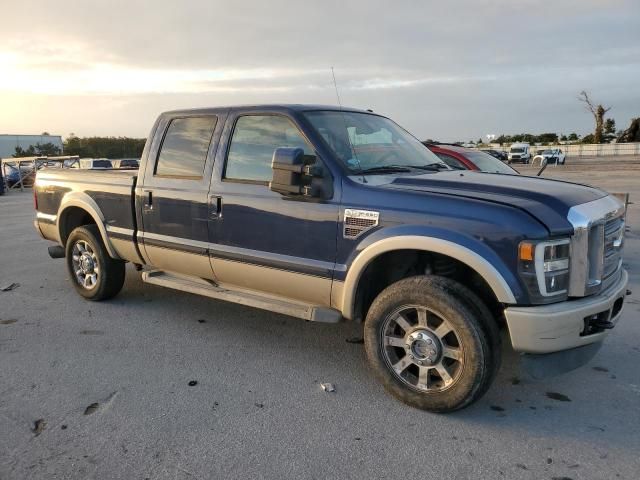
(185, 146)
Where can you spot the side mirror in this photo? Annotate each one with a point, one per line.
(293, 172)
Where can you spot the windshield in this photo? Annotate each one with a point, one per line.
(548, 152)
(487, 163)
(363, 142)
(517, 150)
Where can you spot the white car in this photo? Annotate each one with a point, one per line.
(552, 155)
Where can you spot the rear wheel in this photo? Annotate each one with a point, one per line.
(432, 343)
(94, 274)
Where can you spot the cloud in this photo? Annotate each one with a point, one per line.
(444, 69)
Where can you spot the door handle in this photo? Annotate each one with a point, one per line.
(215, 206)
(148, 201)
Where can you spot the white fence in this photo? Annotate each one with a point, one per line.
(589, 149)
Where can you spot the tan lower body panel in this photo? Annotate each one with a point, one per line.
(179, 261)
(558, 326)
(304, 288)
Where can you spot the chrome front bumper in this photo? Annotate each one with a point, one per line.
(561, 326)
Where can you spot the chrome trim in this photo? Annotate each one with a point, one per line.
(361, 221)
(587, 243)
(120, 230)
(46, 217)
(176, 240)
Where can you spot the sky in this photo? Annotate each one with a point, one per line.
(445, 70)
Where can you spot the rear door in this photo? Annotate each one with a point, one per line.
(173, 197)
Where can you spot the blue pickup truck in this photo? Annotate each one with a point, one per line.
(328, 213)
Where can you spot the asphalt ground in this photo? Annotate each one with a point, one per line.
(110, 384)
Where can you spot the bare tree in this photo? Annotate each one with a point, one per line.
(598, 112)
(631, 134)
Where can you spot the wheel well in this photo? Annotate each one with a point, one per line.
(73, 217)
(390, 267)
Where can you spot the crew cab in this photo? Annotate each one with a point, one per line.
(328, 213)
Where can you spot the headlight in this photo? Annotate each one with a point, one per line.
(544, 268)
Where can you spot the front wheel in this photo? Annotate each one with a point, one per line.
(432, 343)
(94, 274)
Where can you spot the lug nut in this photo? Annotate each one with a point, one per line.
(429, 341)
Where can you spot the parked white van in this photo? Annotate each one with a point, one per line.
(520, 153)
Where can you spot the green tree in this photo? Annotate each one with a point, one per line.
(610, 126)
(39, 150)
(104, 147)
(25, 152)
(609, 130)
(573, 137)
(48, 149)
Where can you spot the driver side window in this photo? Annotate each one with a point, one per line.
(255, 137)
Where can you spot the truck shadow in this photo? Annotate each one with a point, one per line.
(569, 406)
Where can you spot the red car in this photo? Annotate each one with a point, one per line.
(461, 158)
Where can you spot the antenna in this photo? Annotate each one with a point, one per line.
(335, 84)
(353, 150)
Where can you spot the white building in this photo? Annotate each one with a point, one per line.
(8, 143)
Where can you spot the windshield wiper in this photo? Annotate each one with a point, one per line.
(386, 169)
(436, 167)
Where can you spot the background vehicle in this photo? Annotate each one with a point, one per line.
(461, 158)
(325, 213)
(499, 154)
(126, 163)
(95, 163)
(519, 153)
(10, 173)
(552, 155)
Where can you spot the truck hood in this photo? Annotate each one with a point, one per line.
(547, 200)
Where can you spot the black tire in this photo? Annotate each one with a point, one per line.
(473, 325)
(110, 273)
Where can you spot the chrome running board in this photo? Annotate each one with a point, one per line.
(198, 286)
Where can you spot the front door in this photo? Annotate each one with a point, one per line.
(262, 240)
(173, 197)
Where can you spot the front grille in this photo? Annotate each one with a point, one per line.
(596, 245)
(613, 243)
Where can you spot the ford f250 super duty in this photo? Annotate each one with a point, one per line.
(328, 213)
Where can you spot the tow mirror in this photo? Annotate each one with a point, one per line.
(293, 172)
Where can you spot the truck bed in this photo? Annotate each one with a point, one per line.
(111, 192)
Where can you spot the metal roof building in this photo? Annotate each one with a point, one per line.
(8, 143)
